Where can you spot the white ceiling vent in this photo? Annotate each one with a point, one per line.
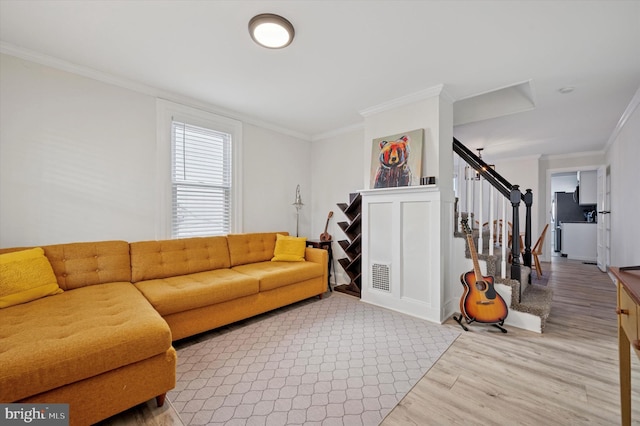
(495, 103)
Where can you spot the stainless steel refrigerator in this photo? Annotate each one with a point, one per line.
(566, 209)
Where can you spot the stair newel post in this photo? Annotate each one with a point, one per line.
(503, 242)
(492, 228)
(528, 201)
(469, 197)
(515, 198)
(480, 218)
(457, 214)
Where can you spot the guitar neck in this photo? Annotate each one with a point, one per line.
(326, 226)
(474, 256)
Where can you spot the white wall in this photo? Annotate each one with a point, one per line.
(622, 157)
(336, 170)
(77, 158)
(78, 162)
(419, 115)
(341, 163)
(434, 113)
(273, 165)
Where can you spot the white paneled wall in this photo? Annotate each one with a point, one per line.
(402, 229)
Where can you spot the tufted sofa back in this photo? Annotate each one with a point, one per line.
(82, 264)
(168, 258)
(252, 248)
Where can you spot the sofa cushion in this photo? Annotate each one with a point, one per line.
(185, 292)
(289, 249)
(252, 247)
(54, 341)
(168, 258)
(279, 274)
(25, 276)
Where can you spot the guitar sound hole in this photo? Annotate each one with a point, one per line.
(481, 285)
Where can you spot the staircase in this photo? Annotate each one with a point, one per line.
(530, 304)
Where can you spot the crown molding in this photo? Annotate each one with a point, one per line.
(62, 65)
(572, 155)
(411, 98)
(635, 101)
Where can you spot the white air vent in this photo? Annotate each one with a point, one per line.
(380, 276)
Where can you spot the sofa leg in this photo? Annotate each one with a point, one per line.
(320, 296)
(160, 399)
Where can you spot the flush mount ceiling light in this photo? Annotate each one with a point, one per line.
(271, 31)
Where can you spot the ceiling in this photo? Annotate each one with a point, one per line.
(348, 56)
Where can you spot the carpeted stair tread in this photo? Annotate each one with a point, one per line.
(536, 300)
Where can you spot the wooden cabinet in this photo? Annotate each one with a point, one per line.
(628, 311)
(588, 182)
(628, 283)
(579, 241)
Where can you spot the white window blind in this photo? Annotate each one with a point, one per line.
(201, 181)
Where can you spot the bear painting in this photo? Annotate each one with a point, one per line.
(394, 160)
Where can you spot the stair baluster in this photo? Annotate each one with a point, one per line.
(509, 191)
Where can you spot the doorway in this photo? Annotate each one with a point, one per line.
(566, 182)
(582, 219)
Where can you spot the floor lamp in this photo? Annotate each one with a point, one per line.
(298, 205)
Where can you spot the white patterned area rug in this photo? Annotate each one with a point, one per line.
(335, 361)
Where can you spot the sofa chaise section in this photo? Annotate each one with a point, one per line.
(98, 346)
(103, 345)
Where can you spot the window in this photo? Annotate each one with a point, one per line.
(198, 165)
(201, 181)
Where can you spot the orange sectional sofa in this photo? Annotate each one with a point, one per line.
(104, 344)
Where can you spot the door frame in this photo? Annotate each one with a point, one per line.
(604, 220)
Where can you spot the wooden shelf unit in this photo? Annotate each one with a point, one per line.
(352, 245)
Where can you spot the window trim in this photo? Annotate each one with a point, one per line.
(166, 112)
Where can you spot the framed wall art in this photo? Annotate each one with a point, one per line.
(396, 160)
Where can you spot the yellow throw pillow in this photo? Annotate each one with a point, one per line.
(25, 276)
(289, 249)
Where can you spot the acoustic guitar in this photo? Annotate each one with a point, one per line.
(325, 236)
(480, 302)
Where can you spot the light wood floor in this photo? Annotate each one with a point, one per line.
(566, 376)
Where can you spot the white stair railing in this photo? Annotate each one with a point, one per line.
(471, 195)
(479, 169)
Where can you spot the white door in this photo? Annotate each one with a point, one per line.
(603, 219)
